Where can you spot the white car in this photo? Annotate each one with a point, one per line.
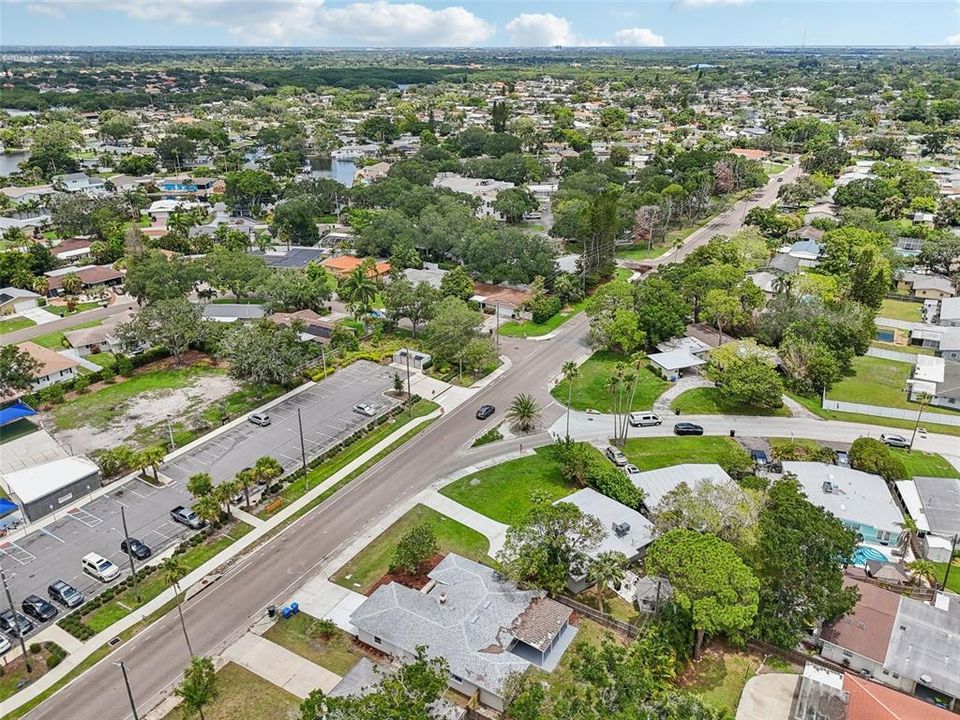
(4, 644)
(615, 456)
(631, 469)
(365, 409)
(97, 566)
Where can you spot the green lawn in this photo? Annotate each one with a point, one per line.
(503, 492)
(657, 452)
(638, 253)
(901, 310)
(954, 581)
(719, 677)
(56, 341)
(104, 359)
(61, 310)
(126, 602)
(243, 694)
(15, 672)
(337, 654)
(910, 349)
(707, 401)
(243, 400)
(813, 405)
(372, 563)
(925, 464)
(773, 168)
(17, 323)
(532, 329)
(97, 409)
(590, 392)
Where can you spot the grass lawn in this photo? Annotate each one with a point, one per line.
(373, 562)
(622, 273)
(126, 602)
(925, 464)
(532, 329)
(640, 252)
(17, 323)
(954, 584)
(242, 694)
(336, 654)
(243, 400)
(613, 605)
(910, 349)
(590, 392)
(719, 677)
(14, 671)
(879, 382)
(658, 452)
(707, 401)
(773, 168)
(97, 409)
(61, 310)
(503, 492)
(55, 340)
(104, 359)
(813, 405)
(327, 468)
(16, 430)
(901, 310)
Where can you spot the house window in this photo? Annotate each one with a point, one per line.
(847, 654)
(377, 640)
(457, 678)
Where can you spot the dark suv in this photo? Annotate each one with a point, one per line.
(65, 594)
(36, 607)
(136, 548)
(15, 624)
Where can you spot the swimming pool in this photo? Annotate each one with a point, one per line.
(886, 336)
(865, 553)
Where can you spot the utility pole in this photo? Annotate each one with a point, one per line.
(924, 399)
(303, 449)
(126, 682)
(13, 612)
(946, 574)
(126, 537)
(498, 326)
(409, 396)
(323, 357)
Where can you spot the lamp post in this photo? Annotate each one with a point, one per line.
(126, 681)
(13, 616)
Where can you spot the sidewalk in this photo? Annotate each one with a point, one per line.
(236, 549)
(661, 405)
(494, 531)
(274, 663)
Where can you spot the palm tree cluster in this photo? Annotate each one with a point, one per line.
(211, 501)
(622, 386)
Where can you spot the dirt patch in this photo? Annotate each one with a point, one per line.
(415, 581)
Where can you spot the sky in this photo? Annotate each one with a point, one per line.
(480, 23)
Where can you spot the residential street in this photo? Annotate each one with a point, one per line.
(68, 322)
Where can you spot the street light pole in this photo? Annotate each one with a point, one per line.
(126, 682)
(409, 396)
(126, 536)
(13, 614)
(498, 326)
(303, 449)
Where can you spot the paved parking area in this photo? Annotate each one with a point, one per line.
(326, 409)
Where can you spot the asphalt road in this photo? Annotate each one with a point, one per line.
(219, 615)
(328, 416)
(66, 323)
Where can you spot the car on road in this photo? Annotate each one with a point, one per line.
(615, 456)
(365, 409)
(631, 469)
(65, 594)
(485, 411)
(759, 457)
(186, 516)
(99, 568)
(15, 624)
(259, 418)
(5, 644)
(894, 440)
(644, 419)
(39, 608)
(843, 458)
(135, 547)
(685, 428)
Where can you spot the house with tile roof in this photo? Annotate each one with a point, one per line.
(54, 368)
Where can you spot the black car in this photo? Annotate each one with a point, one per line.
(65, 594)
(15, 624)
(485, 411)
(138, 549)
(36, 607)
(686, 428)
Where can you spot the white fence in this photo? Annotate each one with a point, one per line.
(880, 411)
(892, 355)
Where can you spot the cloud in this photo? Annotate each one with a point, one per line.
(954, 39)
(540, 30)
(638, 37)
(267, 22)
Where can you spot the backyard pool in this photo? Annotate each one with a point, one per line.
(886, 336)
(864, 553)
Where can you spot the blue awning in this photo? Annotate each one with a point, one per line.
(17, 411)
(7, 507)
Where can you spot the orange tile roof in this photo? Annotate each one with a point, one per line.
(873, 701)
(50, 361)
(346, 263)
(750, 153)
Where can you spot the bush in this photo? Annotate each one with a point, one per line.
(614, 483)
(545, 307)
(791, 450)
(35, 648)
(323, 629)
(53, 661)
(873, 456)
(415, 547)
(124, 365)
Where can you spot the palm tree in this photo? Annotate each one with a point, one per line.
(571, 372)
(173, 572)
(71, 283)
(523, 413)
(208, 509)
(909, 534)
(200, 485)
(267, 469)
(606, 569)
(224, 494)
(358, 290)
(245, 478)
(923, 570)
(199, 687)
(41, 285)
(151, 457)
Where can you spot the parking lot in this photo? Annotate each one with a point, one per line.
(54, 552)
(328, 416)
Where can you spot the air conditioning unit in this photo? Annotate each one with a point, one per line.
(621, 529)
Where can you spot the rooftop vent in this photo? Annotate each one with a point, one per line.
(443, 599)
(828, 487)
(621, 529)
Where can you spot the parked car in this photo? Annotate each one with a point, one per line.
(485, 411)
(98, 567)
(259, 418)
(186, 516)
(615, 456)
(365, 409)
(759, 457)
(65, 594)
(843, 458)
(894, 440)
(644, 419)
(685, 428)
(631, 469)
(136, 548)
(5, 644)
(15, 624)
(36, 607)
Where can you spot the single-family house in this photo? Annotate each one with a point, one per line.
(33, 193)
(54, 368)
(861, 501)
(233, 312)
(484, 190)
(507, 298)
(91, 276)
(430, 273)
(294, 257)
(806, 251)
(15, 300)
(657, 483)
(674, 364)
(345, 264)
(73, 250)
(925, 285)
(314, 327)
(486, 628)
(944, 341)
(937, 378)
(79, 182)
(371, 173)
(947, 312)
(934, 505)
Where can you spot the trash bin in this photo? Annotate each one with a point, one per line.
(294, 607)
(676, 411)
(733, 433)
(286, 613)
(272, 611)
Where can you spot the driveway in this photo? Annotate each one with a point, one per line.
(40, 315)
(328, 417)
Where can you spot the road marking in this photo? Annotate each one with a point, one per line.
(47, 532)
(81, 515)
(18, 554)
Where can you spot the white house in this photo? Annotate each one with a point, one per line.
(14, 300)
(54, 367)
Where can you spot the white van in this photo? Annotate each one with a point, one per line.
(99, 567)
(644, 419)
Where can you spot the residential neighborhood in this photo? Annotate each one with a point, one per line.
(551, 380)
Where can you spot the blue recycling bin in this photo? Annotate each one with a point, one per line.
(294, 607)
(286, 612)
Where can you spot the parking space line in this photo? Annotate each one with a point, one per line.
(81, 515)
(24, 557)
(50, 534)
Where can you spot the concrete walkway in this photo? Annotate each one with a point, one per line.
(320, 598)
(661, 405)
(798, 410)
(72, 354)
(494, 531)
(274, 663)
(39, 315)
